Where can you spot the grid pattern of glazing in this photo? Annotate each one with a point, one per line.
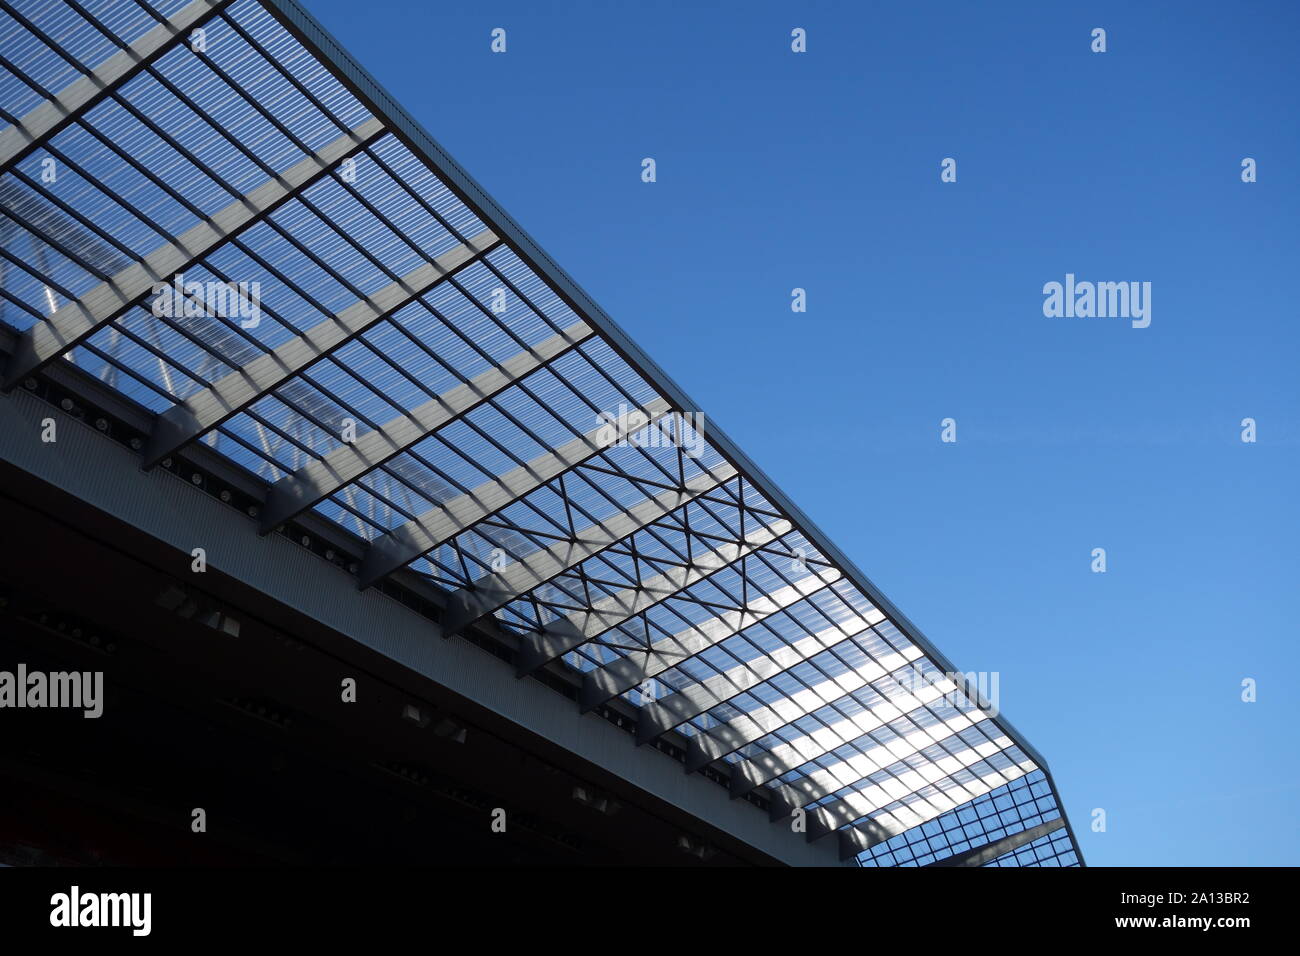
(1054, 849)
(1012, 809)
(403, 371)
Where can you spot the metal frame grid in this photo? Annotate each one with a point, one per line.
(1019, 811)
(399, 301)
(1055, 849)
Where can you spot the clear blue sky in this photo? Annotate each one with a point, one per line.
(821, 171)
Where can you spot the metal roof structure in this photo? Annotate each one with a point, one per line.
(401, 376)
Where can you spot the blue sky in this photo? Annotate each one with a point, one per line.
(821, 171)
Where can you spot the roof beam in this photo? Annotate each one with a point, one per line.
(855, 834)
(991, 851)
(75, 322)
(572, 632)
(37, 126)
(234, 392)
(622, 675)
(295, 493)
(660, 716)
(815, 820)
(493, 591)
(438, 525)
(824, 820)
(785, 799)
(853, 840)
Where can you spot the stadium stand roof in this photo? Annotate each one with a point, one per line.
(418, 376)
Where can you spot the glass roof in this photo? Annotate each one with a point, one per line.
(370, 342)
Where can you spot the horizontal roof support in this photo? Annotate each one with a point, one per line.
(978, 856)
(39, 124)
(295, 493)
(620, 676)
(853, 840)
(672, 710)
(494, 591)
(854, 834)
(75, 322)
(578, 628)
(438, 525)
(784, 799)
(816, 823)
(236, 391)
